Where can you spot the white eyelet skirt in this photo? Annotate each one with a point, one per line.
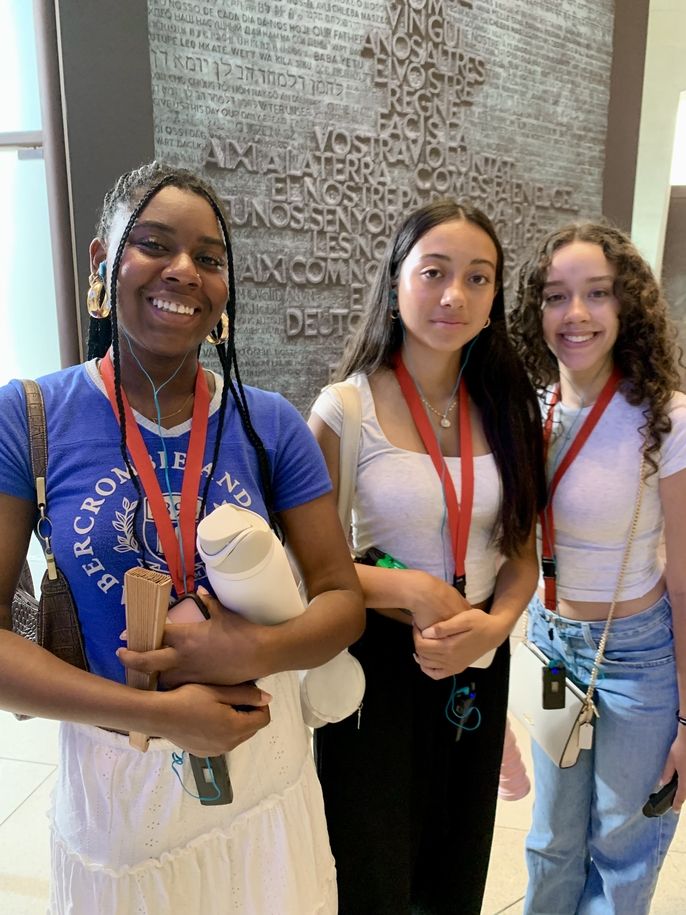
(126, 838)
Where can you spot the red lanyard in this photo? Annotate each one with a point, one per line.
(548, 560)
(191, 478)
(459, 518)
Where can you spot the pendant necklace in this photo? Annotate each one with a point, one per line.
(182, 407)
(444, 422)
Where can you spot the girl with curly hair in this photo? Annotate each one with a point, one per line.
(591, 326)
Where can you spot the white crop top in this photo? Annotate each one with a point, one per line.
(595, 498)
(398, 505)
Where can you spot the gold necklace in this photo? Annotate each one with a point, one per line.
(183, 405)
(166, 415)
(444, 422)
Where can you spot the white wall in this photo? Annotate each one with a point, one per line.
(28, 322)
(665, 79)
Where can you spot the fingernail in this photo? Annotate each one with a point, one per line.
(123, 637)
(202, 590)
(265, 696)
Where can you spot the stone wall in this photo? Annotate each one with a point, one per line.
(322, 122)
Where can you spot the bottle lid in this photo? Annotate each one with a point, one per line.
(233, 540)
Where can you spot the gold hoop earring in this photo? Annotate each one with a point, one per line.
(487, 324)
(97, 300)
(220, 333)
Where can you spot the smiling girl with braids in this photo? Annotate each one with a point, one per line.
(126, 833)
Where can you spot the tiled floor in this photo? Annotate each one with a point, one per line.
(28, 758)
(27, 766)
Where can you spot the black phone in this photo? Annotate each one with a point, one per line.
(212, 780)
(554, 685)
(660, 801)
(463, 704)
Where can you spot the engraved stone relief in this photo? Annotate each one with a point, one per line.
(323, 122)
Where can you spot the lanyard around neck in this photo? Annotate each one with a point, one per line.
(548, 560)
(459, 517)
(191, 478)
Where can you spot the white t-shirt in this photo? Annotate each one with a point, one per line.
(594, 502)
(399, 507)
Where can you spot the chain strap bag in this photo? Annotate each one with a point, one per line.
(50, 621)
(563, 732)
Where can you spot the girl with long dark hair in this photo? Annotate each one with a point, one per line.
(448, 482)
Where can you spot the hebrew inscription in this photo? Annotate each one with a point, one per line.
(323, 122)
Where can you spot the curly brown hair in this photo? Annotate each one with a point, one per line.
(645, 351)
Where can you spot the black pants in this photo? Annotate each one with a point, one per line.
(410, 810)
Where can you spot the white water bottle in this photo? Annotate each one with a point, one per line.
(250, 573)
(247, 566)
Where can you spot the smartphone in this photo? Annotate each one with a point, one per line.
(554, 685)
(462, 708)
(188, 609)
(211, 774)
(659, 803)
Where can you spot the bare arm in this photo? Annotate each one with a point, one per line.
(515, 585)
(449, 633)
(427, 598)
(673, 498)
(16, 520)
(449, 647)
(34, 682)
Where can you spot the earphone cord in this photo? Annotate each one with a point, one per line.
(177, 763)
(453, 713)
(155, 395)
(562, 448)
(444, 514)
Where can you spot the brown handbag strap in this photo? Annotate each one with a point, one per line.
(38, 449)
(38, 436)
(57, 624)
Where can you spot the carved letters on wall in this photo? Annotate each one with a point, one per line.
(323, 122)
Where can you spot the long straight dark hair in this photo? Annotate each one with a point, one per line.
(494, 375)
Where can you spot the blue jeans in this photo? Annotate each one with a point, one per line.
(590, 850)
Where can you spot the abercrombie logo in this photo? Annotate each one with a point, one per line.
(99, 507)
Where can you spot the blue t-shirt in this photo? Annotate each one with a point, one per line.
(91, 499)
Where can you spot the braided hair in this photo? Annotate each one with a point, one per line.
(135, 190)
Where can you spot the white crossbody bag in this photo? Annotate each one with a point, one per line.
(563, 732)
